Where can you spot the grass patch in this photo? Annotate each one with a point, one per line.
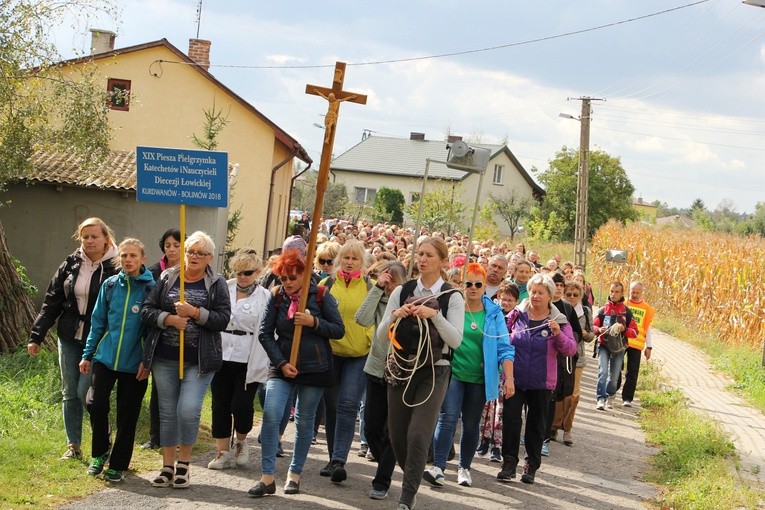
(32, 437)
(696, 464)
(740, 363)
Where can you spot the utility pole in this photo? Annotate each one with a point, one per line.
(582, 184)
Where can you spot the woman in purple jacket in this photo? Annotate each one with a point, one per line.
(538, 331)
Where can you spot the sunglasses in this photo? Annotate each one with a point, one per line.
(324, 262)
(290, 277)
(249, 272)
(572, 294)
(478, 285)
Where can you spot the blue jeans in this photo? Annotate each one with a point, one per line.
(180, 401)
(74, 388)
(463, 398)
(609, 368)
(278, 393)
(342, 404)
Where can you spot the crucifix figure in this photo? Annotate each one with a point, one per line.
(334, 97)
(330, 119)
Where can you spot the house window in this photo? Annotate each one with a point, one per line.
(118, 94)
(365, 195)
(498, 169)
(414, 197)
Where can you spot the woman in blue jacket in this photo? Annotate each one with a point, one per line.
(485, 348)
(112, 355)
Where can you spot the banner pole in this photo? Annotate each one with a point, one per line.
(183, 286)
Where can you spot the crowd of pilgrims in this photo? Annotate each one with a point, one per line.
(410, 332)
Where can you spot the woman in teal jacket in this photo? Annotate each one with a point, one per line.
(485, 348)
(112, 355)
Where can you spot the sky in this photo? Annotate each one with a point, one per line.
(681, 81)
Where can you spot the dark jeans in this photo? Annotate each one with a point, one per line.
(341, 403)
(376, 431)
(232, 400)
(631, 377)
(537, 403)
(411, 428)
(130, 394)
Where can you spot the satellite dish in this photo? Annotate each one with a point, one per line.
(459, 149)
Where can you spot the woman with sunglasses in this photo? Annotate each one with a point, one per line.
(245, 364)
(202, 315)
(324, 262)
(485, 349)
(311, 376)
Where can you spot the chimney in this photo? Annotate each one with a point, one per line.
(417, 136)
(453, 138)
(199, 52)
(101, 41)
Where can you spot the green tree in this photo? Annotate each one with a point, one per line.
(389, 206)
(609, 193)
(42, 108)
(754, 224)
(512, 209)
(442, 207)
(698, 205)
(214, 123)
(304, 196)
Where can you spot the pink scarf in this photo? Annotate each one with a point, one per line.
(294, 298)
(348, 276)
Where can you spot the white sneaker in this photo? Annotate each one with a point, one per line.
(627, 403)
(434, 476)
(601, 405)
(222, 460)
(463, 477)
(242, 453)
(610, 402)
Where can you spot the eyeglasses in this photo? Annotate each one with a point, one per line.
(478, 285)
(324, 262)
(572, 294)
(249, 272)
(290, 277)
(197, 254)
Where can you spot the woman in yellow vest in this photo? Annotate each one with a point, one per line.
(349, 287)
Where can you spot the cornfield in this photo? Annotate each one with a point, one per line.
(714, 281)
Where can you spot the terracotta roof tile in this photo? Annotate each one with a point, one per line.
(117, 172)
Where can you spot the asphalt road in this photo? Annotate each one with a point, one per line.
(602, 470)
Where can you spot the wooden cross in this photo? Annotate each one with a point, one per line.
(334, 96)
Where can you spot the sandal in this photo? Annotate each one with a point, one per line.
(181, 480)
(165, 477)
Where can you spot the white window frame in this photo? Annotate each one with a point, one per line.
(499, 171)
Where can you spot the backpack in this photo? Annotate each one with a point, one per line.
(616, 343)
(278, 296)
(330, 281)
(407, 332)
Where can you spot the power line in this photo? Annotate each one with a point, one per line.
(458, 53)
(683, 139)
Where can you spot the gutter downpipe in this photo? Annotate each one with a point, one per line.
(294, 153)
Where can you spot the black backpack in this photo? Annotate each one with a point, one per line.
(407, 331)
